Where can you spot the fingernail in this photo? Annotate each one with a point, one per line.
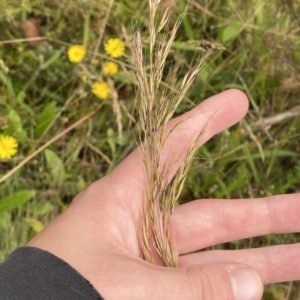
(246, 284)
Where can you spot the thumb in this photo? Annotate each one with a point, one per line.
(213, 282)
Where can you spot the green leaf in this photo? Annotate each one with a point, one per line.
(52, 59)
(5, 221)
(52, 95)
(8, 83)
(123, 77)
(45, 119)
(35, 224)
(22, 136)
(185, 46)
(21, 100)
(14, 120)
(56, 166)
(15, 200)
(80, 184)
(230, 32)
(37, 208)
(186, 20)
(16, 128)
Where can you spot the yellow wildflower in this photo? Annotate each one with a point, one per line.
(84, 78)
(114, 48)
(8, 146)
(76, 53)
(111, 68)
(100, 89)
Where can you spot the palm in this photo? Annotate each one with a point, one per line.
(106, 217)
(206, 223)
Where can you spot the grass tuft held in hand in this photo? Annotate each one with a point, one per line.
(156, 107)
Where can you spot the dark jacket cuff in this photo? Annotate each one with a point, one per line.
(33, 274)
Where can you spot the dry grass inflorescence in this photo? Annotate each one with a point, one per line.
(60, 136)
(156, 106)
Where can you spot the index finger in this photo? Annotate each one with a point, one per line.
(215, 114)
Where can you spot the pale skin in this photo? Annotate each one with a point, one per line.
(98, 234)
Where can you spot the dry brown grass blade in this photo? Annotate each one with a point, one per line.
(279, 118)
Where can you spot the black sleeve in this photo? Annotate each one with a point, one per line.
(34, 274)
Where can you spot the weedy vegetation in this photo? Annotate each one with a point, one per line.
(74, 121)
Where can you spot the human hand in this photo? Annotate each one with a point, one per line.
(98, 234)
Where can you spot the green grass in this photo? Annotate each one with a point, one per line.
(257, 51)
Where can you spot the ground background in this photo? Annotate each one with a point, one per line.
(42, 94)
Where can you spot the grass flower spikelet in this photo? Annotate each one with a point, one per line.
(111, 68)
(155, 108)
(8, 146)
(114, 48)
(76, 53)
(100, 89)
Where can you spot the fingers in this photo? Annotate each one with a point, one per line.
(135, 279)
(218, 113)
(273, 264)
(208, 282)
(204, 223)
